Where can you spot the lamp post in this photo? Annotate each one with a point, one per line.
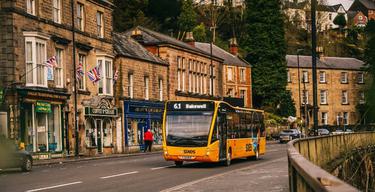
(313, 54)
(76, 131)
(299, 51)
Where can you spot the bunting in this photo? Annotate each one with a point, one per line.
(94, 74)
(79, 71)
(51, 62)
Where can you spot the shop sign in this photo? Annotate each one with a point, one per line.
(43, 107)
(100, 111)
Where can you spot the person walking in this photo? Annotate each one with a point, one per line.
(148, 139)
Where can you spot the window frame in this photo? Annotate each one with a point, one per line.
(59, 69)
(323, 94)
(322, 77)
(230, 75)
(56, 11)
(30, 7)
(243, 74)
(344, 94)
(83, 78)
(305, 97)
(160, 89)
(81, 16)
(131, 85)
(106, 76)
(35, 39)
(360, 78)
(146, 84)
(305, 76)
(324, 118)
(100, 26)
(345, 118)
(344, 78)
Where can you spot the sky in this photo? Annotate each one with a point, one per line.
(345, 3)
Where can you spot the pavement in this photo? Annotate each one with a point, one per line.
(150, 172)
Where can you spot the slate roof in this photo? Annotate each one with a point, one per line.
(150, 37)
(219, 52)
(345, 63)
(368, 4)
(126, 46)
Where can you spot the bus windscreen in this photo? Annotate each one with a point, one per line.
(188, 129)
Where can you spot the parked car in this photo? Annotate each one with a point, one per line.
(288, 135)
(11, 157)
(323, 132)
(338, 132)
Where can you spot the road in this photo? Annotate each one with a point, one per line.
(139, 173)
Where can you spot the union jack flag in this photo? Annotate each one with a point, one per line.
(51, 62)
(115, 76)
(94, 74)
(79, 71)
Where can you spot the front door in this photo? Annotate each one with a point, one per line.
(222, 128)
(99, 129)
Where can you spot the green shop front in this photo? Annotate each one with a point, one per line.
(42, 130)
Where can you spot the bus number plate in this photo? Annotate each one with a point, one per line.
(186, 157)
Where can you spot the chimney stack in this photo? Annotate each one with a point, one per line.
(189, 39)
(233, 47)
(137, 35)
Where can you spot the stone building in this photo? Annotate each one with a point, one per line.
(39, 100)
(192, 74)
(236, 73)
(140, 91)
(341, 82)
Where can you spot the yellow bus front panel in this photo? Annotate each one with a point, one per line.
(202, 154)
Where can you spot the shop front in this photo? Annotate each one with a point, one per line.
(140, 116)
(42, 130)
(99, 134)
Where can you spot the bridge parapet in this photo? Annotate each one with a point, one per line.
(306, 157)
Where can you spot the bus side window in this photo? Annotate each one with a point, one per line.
(215, 136)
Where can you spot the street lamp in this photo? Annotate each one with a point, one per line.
(299, 51)
(314, 60)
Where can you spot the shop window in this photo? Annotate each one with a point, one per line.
(107, 133)
(4, 124)
(41, 129)
(90, 133)
(156, 129)
(54, 129)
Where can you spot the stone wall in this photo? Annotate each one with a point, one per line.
(334, 87)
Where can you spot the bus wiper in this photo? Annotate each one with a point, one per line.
(202, 137)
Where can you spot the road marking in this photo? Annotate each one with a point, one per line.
(157, 168)
(178, 187)
(117, 175)
(56, 186)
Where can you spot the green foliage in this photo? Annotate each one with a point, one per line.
(370, 62)
(340, 20)
(199, 33)
(188, 17)
(129, 14)
(266, 49)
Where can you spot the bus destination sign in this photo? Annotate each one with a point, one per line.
(190, 106)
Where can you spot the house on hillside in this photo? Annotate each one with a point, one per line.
(361, 12)
(299, 12)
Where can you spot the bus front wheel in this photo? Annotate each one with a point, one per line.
(178, 163)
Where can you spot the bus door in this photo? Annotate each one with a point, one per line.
(222, 128)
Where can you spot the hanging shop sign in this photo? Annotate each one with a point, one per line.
(101, 112)
(43, 107)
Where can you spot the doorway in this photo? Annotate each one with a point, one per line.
(99, 138)
(222, 128)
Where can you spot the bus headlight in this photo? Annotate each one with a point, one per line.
(165, 152)
(207, 153)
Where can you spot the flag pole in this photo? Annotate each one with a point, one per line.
(76, 132)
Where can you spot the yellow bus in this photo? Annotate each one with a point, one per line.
(211, 131)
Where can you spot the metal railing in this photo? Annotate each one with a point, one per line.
(306, 157)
